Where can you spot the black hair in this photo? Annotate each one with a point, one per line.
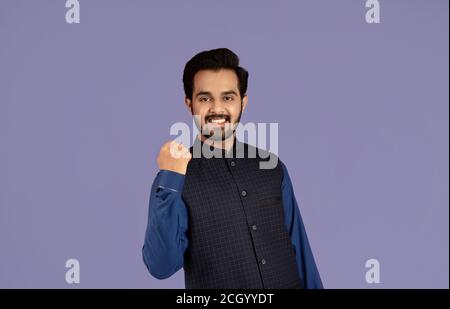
(215, 59)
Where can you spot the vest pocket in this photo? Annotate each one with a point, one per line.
(270, 201)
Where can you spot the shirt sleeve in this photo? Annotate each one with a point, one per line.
(165, 236)
(307, 269)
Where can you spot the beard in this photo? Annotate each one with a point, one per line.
(217, 133)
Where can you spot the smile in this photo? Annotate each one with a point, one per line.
(218, 120)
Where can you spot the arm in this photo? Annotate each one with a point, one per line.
(305, 260)
(165, 237)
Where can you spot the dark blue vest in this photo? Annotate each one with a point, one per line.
(236, 231)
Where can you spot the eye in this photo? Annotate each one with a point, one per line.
(204, 99)
(228, 98)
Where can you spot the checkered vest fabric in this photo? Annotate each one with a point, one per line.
(236, 231)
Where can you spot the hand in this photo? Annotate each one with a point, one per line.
(174, 157)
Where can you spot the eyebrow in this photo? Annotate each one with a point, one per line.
(210, 94)
(229, 92)
(204, 93)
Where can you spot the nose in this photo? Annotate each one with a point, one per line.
(217, 107)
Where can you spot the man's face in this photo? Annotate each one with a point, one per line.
(217, 103)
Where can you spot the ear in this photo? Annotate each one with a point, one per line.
(188, 103)
(244, 102)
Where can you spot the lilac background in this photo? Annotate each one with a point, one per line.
(363, 114)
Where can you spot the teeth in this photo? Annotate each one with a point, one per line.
(222, 120)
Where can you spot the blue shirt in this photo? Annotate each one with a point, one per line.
(166, 239)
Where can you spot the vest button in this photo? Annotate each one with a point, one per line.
(232, 163)
(254, 227)
(263, 261)
(244, 193)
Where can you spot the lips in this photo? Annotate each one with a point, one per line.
(218, 119)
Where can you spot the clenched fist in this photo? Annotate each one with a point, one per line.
(174, 157)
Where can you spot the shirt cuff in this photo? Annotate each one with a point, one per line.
(170, 180)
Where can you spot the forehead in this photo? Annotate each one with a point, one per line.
(215, 81)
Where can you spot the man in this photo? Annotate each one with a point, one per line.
(227, 221)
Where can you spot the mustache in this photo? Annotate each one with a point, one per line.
(208, 117)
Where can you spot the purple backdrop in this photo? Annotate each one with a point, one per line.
(362, 112)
